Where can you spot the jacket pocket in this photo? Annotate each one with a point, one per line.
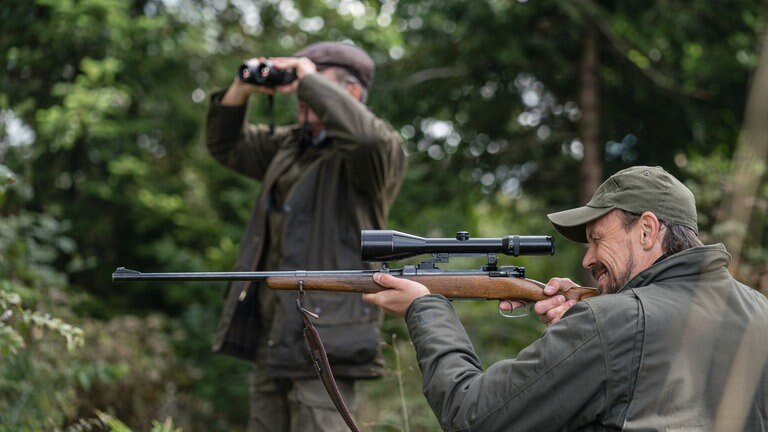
(348, 327)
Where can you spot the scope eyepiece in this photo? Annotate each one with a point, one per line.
(387, 245)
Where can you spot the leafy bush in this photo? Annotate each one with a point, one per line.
(55, 374)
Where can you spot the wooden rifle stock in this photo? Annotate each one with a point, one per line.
(478, 286)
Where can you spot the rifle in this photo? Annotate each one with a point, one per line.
(491, 281)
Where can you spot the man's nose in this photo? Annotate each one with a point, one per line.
(589, 259)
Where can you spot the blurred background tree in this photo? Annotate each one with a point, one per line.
(509, 110)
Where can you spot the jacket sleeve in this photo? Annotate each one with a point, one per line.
(372, 149)
(241, 146)
(558, 382)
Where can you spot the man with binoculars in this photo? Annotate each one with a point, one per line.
(323, 180)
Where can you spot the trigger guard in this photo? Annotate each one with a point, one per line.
(527, 308)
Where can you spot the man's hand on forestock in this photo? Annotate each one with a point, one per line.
(399, 296)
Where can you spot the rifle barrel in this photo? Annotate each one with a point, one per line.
(124, 274)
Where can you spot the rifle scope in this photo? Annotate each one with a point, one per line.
(385, 245)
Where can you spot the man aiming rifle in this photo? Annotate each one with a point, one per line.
(674, 343)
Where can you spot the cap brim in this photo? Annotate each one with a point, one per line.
(572, 224)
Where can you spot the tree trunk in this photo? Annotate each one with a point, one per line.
(591, 165)
(589, 126)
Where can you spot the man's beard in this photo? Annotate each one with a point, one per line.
(618, 282)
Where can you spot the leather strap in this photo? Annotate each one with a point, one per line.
(321, 363)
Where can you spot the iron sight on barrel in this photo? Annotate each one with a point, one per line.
(491, 281)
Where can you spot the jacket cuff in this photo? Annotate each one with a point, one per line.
(229, 116)
(419, 312)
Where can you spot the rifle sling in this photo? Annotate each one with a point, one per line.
(323, 367)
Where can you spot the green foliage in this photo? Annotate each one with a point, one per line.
(34, 393)
(26, 260)
(11, 340)
(6, 178)
(106, 422)
(44, 386)
(395, 403)
(102, 104)
(510, 102)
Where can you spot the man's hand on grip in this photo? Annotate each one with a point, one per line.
(551, 309)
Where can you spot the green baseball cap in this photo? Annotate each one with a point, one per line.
(636, 190)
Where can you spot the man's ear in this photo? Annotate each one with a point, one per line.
(355, 91)
(649, 230)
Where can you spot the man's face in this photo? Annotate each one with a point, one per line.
(611, 253)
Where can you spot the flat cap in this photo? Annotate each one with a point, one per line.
(636, 189)
(338, 54)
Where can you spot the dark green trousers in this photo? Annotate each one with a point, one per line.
(293, 405)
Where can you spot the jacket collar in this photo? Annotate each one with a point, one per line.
(686, 263)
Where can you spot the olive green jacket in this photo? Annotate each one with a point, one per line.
(348, 188)
(682, 346)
